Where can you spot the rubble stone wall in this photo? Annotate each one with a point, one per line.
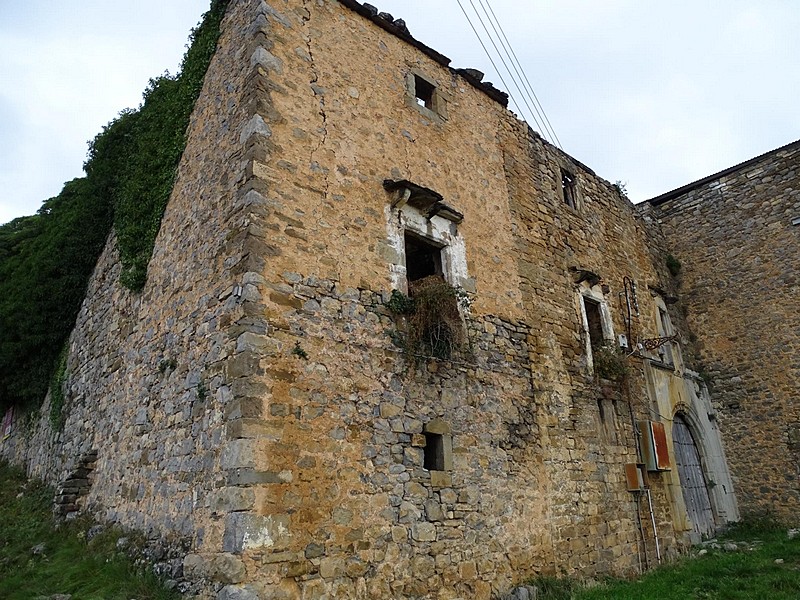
(738, 247)
(145, 390)
(255, 402)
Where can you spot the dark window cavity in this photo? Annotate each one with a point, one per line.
(423, 258)
(568, 188)
(434, 451)
(423, 92)
(595, 322)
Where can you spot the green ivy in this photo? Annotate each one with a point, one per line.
(136, 156)
(46, 259)
(57, 396)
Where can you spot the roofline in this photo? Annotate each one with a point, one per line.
(700, 182)
(369, 13)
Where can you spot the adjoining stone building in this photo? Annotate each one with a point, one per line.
(254, 404)
(737, 236)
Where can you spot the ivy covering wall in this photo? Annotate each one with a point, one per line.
(46, 259)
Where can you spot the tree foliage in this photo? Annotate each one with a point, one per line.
(46, 259)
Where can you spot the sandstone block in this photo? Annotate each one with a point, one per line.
(245, 531)
(423, 532)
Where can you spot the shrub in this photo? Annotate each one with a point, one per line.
(432, 317)
(609, 363)
(673, 265)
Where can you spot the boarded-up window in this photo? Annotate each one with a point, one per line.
(665, 350)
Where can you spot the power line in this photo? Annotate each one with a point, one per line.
(489, 56)
(524, 75)
(525, 92)
(502, 60)
(512, 56)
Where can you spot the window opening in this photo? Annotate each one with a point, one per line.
(423, 92)
(665, 350)
(423, 258)
(568, 188)
(434, 451)
(595, 322)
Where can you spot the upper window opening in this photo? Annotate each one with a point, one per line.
(595, 322)
(423, 92)
(423, 258)
(568, 188)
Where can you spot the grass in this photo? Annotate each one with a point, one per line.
(67, 563)
(749, 573)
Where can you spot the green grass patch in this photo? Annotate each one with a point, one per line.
(748, 573)
(39, 559)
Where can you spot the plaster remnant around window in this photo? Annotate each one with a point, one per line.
(598, 329)
(421, 217)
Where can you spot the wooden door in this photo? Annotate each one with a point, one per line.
(693, 482)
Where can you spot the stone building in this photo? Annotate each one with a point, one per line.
(259, 405)
(737, 236)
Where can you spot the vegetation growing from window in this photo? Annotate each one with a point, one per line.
(46, 259)
(609, 363)
(433, 325)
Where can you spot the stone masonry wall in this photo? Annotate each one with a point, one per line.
(151, 375)
(340, 124)
(253, 403)
(738, 248)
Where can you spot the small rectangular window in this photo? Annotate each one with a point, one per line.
(423, 92)
(423, 258)
(595, 322)
(568, 188)
(434, 451)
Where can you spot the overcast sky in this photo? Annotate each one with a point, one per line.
(653, 94)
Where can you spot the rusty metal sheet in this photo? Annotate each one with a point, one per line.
(660, 446)
(636, 477)
(654, 446)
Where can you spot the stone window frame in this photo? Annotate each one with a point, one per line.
(439, 99)
(441, 429)
(595, 294)
(665, 328)
(566, 169)
(430, 221)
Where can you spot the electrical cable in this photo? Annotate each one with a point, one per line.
(524, 75)
(528, 90)
(502, 60)
(488, 55)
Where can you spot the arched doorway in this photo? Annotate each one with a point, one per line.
(693, 482)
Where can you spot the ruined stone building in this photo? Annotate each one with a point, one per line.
(623, 383)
